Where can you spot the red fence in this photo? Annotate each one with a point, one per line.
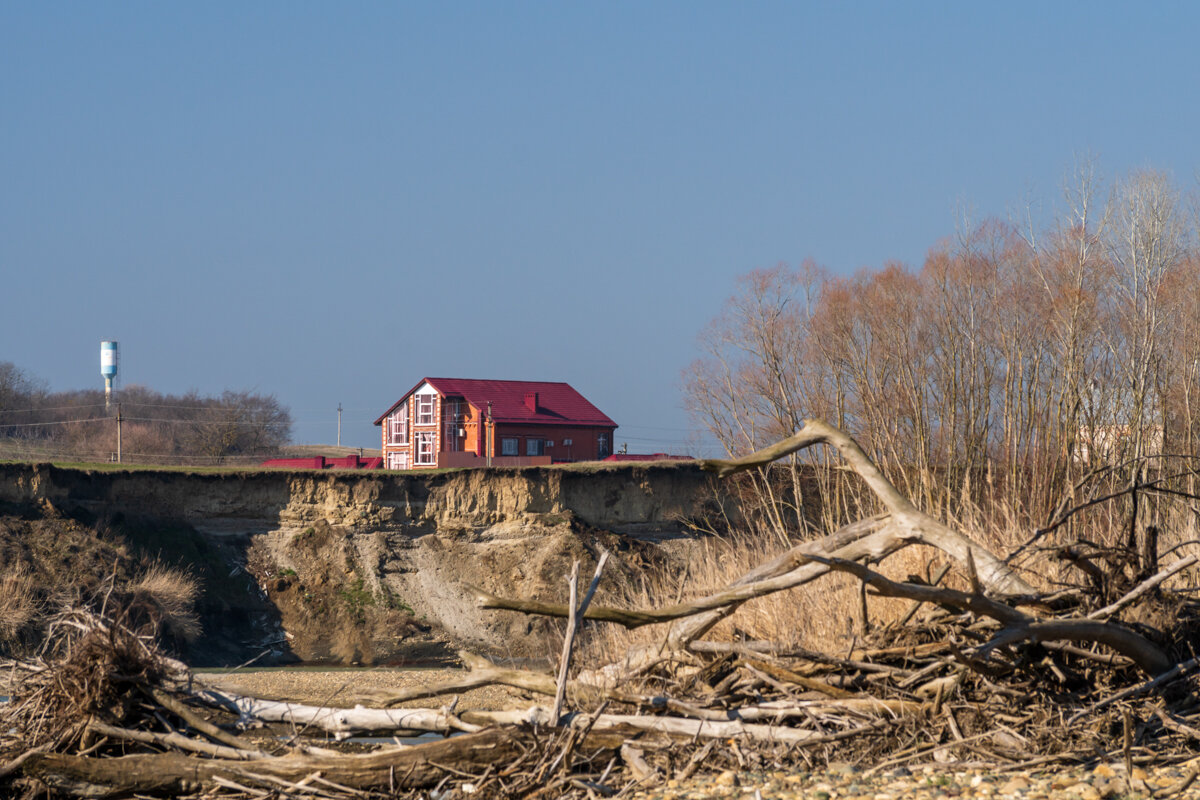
(322, 462)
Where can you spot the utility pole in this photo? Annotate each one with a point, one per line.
(339, 444)
(118, 433)
(490, 437)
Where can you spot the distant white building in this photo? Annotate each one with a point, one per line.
(1101, 443)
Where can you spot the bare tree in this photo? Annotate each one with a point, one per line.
(1147, 242)
(1022, 361)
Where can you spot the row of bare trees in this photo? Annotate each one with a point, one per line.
(155, 428)
(1020, 356)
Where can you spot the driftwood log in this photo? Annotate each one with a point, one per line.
(345, 722)
(175, 773)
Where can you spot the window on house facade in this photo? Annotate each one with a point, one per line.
(399, 429)
(425, 450)
(508, 447)
(452, 425)
(534, 447)
(602, 450)
(397, 460)
(425, 409)
(450, 439)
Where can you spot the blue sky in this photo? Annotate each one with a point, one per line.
(327, 202)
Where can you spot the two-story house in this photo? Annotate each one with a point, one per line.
(459, 422)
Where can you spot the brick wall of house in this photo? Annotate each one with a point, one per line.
(584, 440)
(583, 447)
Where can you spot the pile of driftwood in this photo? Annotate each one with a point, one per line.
(996, 673)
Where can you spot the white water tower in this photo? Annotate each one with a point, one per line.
(108, 368)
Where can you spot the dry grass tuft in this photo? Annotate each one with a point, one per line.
(19, 602)
(169, 596)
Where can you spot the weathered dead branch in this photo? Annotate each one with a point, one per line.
(1020, 626)
(174, 773)
(995, 575)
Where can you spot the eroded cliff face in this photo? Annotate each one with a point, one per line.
(374, 566)
(644, 499)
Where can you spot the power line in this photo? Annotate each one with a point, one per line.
(50, 408)
(57, 422)
(165, 421)
(217, 405)
(168, 421)
(653, 428)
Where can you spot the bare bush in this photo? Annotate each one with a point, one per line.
(19, 603)
(170, 595)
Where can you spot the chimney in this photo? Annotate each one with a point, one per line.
(531, 401)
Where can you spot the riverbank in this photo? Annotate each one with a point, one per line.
(338, 567)
(348, 687)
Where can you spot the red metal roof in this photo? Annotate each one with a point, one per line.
(557, 402)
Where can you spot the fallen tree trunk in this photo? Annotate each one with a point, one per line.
(782, 572)
(344, 722)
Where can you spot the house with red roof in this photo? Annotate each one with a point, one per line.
(462, 422)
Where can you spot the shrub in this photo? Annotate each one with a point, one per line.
(171, 595)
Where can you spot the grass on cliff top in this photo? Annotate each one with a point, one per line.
(109, 466)
(586, 467)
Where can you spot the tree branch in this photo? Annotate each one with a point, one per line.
(996, 576)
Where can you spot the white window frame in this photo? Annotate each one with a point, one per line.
(425, 416)
(535, 447)
(399, 426)
(425, 455)
(510, 446)
(397, 460)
